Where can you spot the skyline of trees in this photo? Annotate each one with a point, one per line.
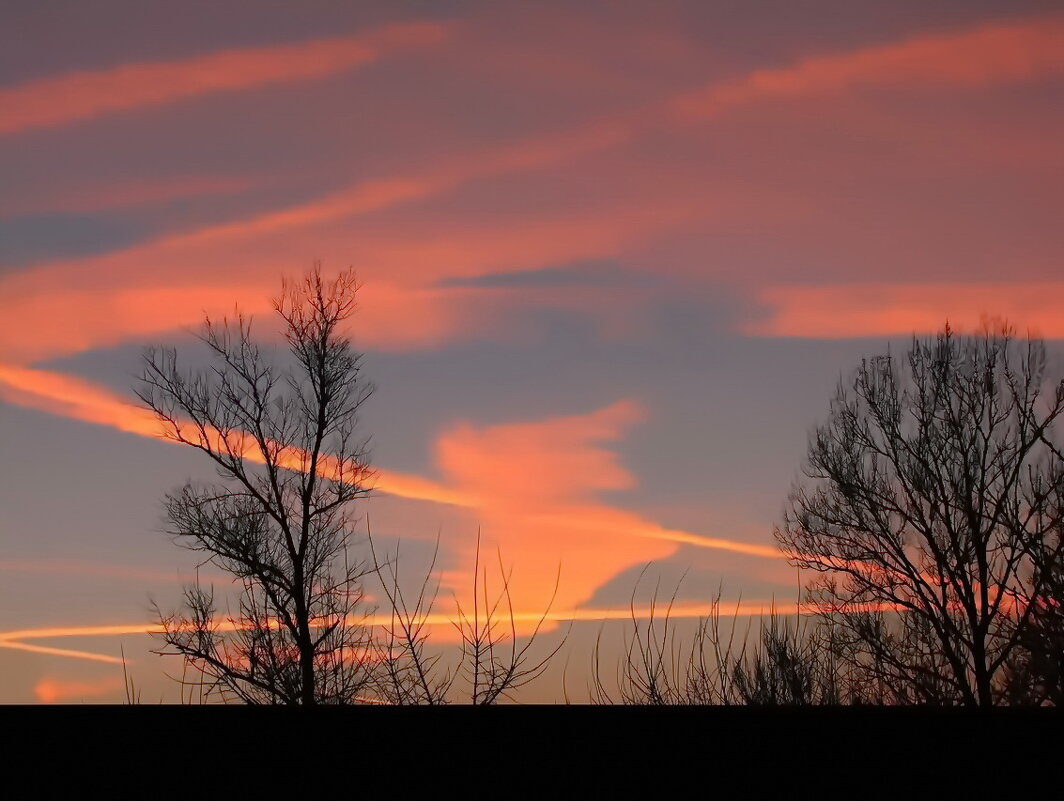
(930, 514)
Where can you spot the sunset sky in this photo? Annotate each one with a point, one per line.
(615, 257)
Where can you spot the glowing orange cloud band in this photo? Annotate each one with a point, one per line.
(987, 54)
(893, 309)
(14, 639)
(678, 611)
(83, 95)
(509, 473)
(15, 645)
(106, 300)
(78, 399)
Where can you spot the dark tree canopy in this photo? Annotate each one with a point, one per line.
(932, 513)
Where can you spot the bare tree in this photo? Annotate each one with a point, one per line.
(408, 674)
(284, 441)
(649, 670)
(788, 662)
(932, 494)
(789, 665)
(493, 662)
(1035, 675)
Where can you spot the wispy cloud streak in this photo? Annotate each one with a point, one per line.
(78, 399)
(987, 55)
(84, 95)
(861, 310)
(984, 55)
(75, 398)
(445, 622)
(14, 644)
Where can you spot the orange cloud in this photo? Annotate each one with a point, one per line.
(442, 624)
(101, 301)
(14, 645)
(74, 306)
(532, 487)
(442, 620)
(69, 396)
(72, 397)
(535, 485)
(83, 95)
(446, 620)
(983, 56)
(838, 311)
(52, 690)
(497, 451)
(50, 632)
(554, 458)
(46, 324)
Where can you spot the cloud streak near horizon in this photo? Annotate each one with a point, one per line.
(444, 622)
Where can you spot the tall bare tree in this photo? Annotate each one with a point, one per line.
(934, 494)
(283, 438)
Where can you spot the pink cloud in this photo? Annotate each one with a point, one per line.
(83, 95)
(856, 310)
(991, 54)
(76, 305)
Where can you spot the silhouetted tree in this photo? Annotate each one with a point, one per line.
(649, 671)
(788, 662)
(933, 501)
(1035, 675)
(283, 439)
(789, 665)
(492, 662)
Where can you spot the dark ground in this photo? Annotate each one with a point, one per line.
(522, 751)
